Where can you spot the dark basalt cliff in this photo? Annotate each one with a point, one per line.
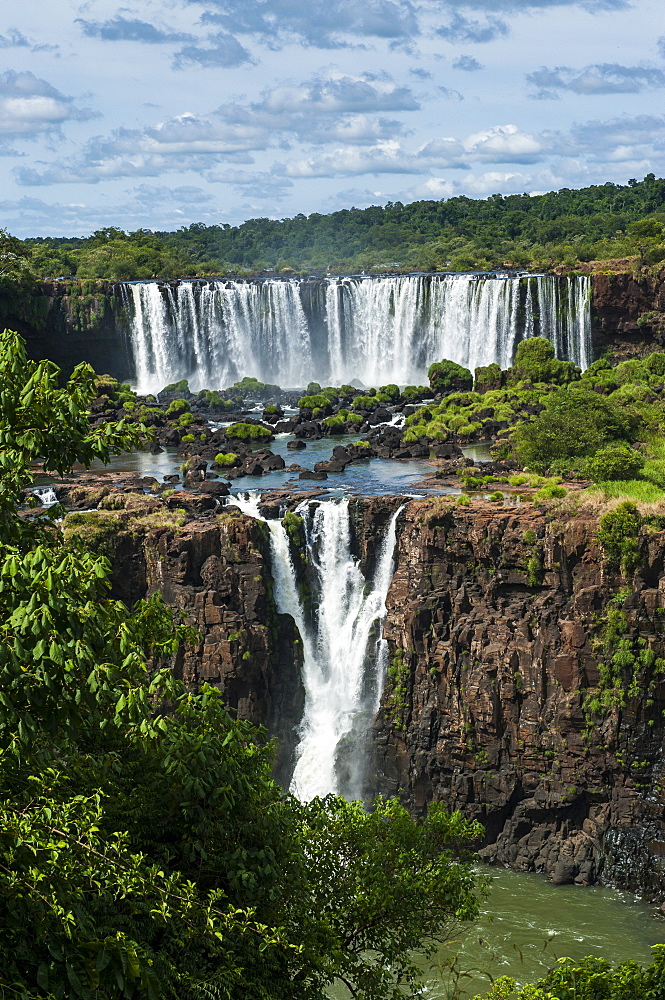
(496, 619)
(628, 314)
(216, 570)
(80, 321)
(484, 707)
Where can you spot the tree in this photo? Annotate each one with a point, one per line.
(145, 850)
(574, 422)
(535, 360)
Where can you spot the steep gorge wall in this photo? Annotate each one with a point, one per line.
(495, 622)
(628, 314)
(216, 571)
(80, 321)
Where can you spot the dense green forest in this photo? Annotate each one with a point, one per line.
(565, 228)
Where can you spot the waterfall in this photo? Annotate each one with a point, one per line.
(344, 653)
(378, 330)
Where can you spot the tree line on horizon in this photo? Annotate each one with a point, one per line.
(563, 229)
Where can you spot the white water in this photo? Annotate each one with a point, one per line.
(378, 330)
(344, 653)
(46, 495)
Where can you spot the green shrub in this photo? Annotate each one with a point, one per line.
(391, 391)
(355, 418)
(574, 423)
(313, 388)
(176, 406)
(366, 403)
(549, 492)
(614, 461)
(335, 424)
(618, 534)
(181, 386)
(188, 438)
(313, 402)
(185, 419)
(447, 375)
(487, 378)
(247, 432)
(226, 458)
(588, 979)
(534, 360)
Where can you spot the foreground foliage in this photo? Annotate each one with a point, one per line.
(145, 850)
(590, 979)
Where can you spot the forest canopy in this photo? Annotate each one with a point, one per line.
(565, 228)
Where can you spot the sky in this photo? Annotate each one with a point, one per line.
(163, 113)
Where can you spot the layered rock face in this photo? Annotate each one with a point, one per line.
(506, 630)
(628, 314)
(496, 619)
(216, 570)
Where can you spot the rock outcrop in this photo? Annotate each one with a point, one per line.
(628, 314)
(215, 569)
(526, 684)
(496, 623)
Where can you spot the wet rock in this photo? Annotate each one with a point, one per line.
(308, 429)
(318, 474)
(296, 445)
(192, 501)
(331, 466)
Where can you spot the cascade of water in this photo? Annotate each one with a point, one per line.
(343, 652)
(378, 330)
(346, 659)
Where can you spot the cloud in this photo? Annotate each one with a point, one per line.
(602, 78)
(432, 188)
(660, 44)
(318, 23)
(186, 194)
(615, 140)
(14, 39)
(260, 185)
(527, 6)
(348, 161)
(499, 144)
(186, 142)
(330, 110)
(464, 29)
(337, 95)
(468, 64)
(225, 52)
(503, 144)
(122, 29)
(30, 106)
(144, 207)
(450, 94)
